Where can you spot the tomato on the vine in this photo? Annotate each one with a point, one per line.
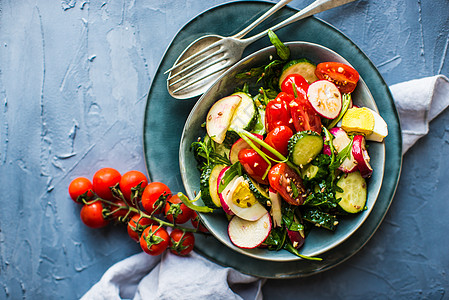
(129, 182)
(92, 215)
(154, 196)
(181, 242)
(278, 139)
(299, 82)
(176, 211)
(197, 224)
(277, 112)
(137, 224)
(120, 211)
(80, 186)
(254, 164)
(304, 116)
(154, 240)
(287, 183)
(103, 180)
(342, 75)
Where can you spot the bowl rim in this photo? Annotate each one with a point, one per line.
(190, 194)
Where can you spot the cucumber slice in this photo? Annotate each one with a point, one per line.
(309, 172)
(320, 219)
(208, 186)
(259, 192)
(353, 197)
(303, 67)
(304, 146)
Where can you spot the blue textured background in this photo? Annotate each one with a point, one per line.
(74, 76)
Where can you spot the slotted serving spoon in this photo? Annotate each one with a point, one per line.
(196, 69)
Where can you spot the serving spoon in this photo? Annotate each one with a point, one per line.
(198, 68)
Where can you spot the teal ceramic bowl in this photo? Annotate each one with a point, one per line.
(319, 240)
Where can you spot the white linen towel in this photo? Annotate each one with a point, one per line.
(172, 277)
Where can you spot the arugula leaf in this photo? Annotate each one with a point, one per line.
(282, 50)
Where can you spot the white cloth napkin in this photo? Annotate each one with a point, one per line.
(193, 277)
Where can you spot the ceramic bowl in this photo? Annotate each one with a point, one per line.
(319, 240)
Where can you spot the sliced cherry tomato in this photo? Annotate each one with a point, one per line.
(92, 215)
(154, 240)
(196, 222)
(304, 116)
(278, 139)
(137, 224)
(300, 83)
(181, 242)
(130, 182)
(342, 75)
(80, 187)
(176, 211)
(105, 179)
(287, 183)
(277, 112)
(254, 164)
(154, 196)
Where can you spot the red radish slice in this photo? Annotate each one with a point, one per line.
(240, 190)
(221, 195)
(239, 145)
(275, 212)
(325, 98)
(340, 141)
(296, 237)
(219, 117)
(248, 235)
(361, 156)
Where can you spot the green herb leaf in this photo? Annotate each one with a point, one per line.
(234, 170)
(282, 50)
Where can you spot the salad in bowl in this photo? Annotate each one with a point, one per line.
(279, 146)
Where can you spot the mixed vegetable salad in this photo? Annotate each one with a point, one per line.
(290, 156)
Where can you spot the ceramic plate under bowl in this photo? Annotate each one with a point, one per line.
(319, 240)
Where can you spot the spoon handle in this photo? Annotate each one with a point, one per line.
(262, 18)
(314, 8)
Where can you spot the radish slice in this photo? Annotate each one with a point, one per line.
(242, 202)
(219, 117)
(275, 212)
(325, 98)
(247, 234)
(296, 237)
(340, 142)
(239, 145)
(225, 192)
(361, 156)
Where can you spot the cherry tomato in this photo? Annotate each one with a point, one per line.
(80, 186)
(104, 179)
(181, 242)
(137, 224)
(196, 222)
(118, 213)
(342, 75)
(154, 240)
(277, 112)
(176, 211)
(92, 215)
(300, 83)
(304, 116)
(254, 164)
(287, 183)
(278, 139)
(130, 180)
(152, 201)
